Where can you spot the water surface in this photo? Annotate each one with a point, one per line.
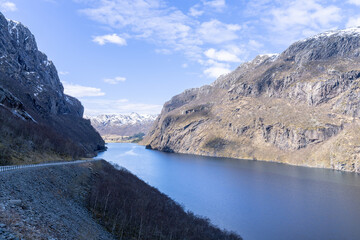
(256, 199)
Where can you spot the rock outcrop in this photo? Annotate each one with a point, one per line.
(30, 91)
(299, 107)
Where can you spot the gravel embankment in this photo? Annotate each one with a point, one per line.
(48, 203)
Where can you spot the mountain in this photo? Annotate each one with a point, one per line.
(37, 120)
(122, 127)
(300, 107)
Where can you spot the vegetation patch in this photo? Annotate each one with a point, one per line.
(23, 142)
(217, 144)
(131, 209)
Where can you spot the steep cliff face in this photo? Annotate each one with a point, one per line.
(31, 93)
(300, 107)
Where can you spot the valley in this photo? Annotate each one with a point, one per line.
(171, 120)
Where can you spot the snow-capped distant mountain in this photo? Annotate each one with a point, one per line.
(122, 124)
(122, 119)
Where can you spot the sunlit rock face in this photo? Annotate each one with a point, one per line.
(299, 107)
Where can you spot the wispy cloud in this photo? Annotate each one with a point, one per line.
(262, 25)
(217, 4)
(166, 26)
(221, 55)
(110, 38)
(353, 22)
(287, 21)
(7, 6)
(255, 44)
(217, 32)
(163, 51)
(97, 106)
(195, 11)
(79, 91)
(214, 69)
(356, 2)
(115, 80)
(63, 73)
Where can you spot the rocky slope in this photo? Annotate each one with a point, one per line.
(48, 203)
(299, 107)
(119, 127)
(32, 96)
(91, 201)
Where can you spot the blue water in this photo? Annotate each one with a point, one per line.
(256, 199)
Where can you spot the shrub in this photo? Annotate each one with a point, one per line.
(131, 209)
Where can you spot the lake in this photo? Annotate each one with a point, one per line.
(258, 200)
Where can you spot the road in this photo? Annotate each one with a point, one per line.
(16, 167)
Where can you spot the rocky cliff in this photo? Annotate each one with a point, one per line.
(300, 107)
(32, 97)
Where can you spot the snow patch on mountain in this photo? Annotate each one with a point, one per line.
(355, 31)
(122, 119)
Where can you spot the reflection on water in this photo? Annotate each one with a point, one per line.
(258, 200)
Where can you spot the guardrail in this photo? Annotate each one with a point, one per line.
(16, 167)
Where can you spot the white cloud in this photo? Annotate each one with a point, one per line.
(110, 38)
(217, 4)
(95, 107)
(215, 72)
(7, 6)
(221, 55)
(163, 25)
(255, 44)
(215, 69)
(195, 12)
(149, 20)
(184, 65)
(353, 22)
(63, 73)
(356, 2)
(79, 91)
(115, 80)
(163, 51)
(217, 32)
(297, 19)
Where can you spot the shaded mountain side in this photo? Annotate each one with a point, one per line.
(31, 92)
(300, 107)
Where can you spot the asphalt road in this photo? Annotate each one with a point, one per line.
(17, 167)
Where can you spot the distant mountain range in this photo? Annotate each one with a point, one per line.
(300, 107)
(122, 127)
(38, 122)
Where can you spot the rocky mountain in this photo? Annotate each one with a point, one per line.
(118, 127)
(300, 107)
(35, 114)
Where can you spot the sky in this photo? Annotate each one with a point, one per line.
(123, 56)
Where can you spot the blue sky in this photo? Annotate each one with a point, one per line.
(125, 56)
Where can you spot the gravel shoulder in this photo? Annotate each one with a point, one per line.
(48, 203)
